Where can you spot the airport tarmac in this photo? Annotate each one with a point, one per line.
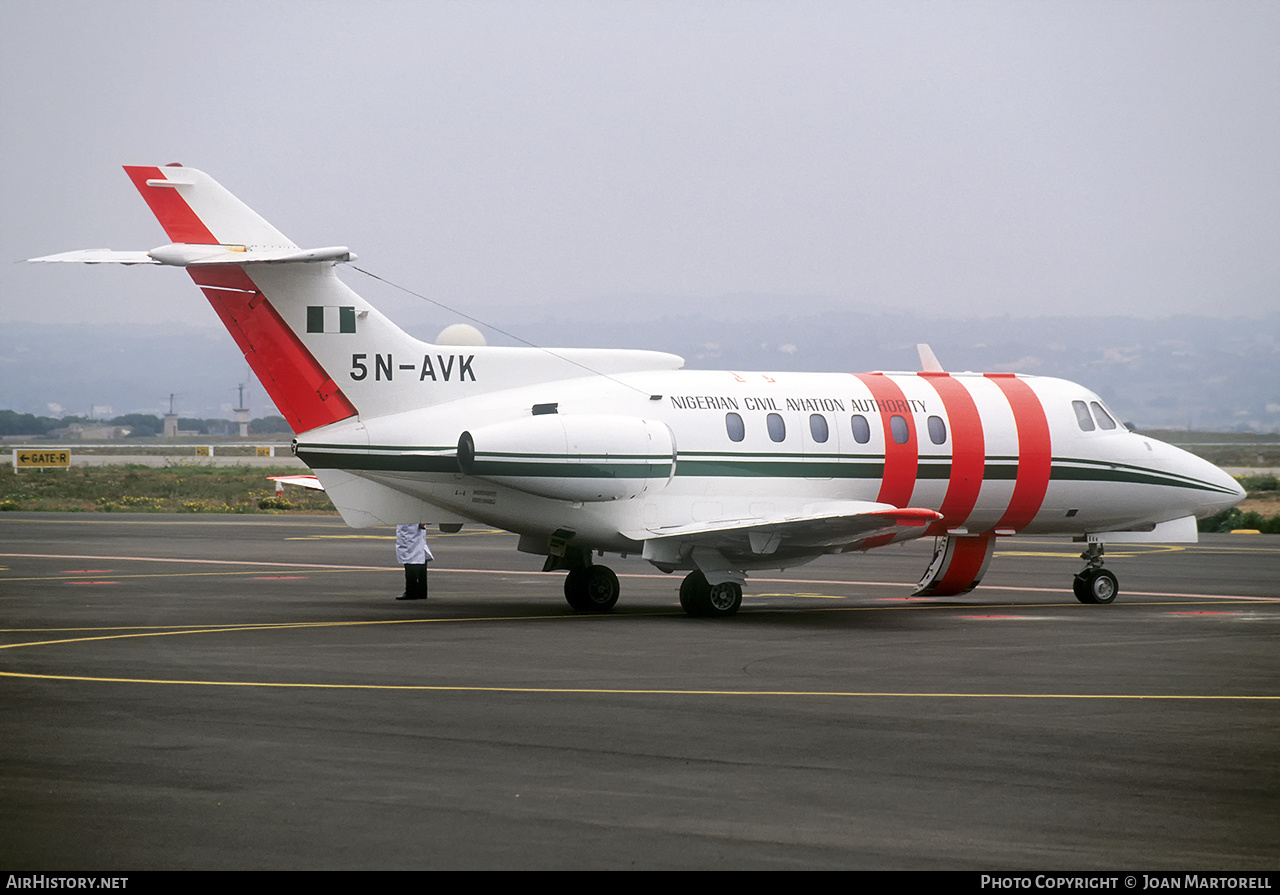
(243, 692)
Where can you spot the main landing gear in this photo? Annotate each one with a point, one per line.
(595, 589)
(1095, 584)
(701, 599)
(591, 588)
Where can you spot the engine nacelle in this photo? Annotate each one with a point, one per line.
(580, 458)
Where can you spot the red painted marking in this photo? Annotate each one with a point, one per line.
(914, 518)
(900, 460)
(1018, 618)
(908, 518)
(1034, 452)
(962, 572)
(180, 223)
(222, 277)
(968, 451)
(302, 391)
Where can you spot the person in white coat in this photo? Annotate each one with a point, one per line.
(413, 553)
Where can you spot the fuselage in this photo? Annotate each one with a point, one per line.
(992, 453)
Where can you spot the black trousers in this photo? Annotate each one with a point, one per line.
(415, 580)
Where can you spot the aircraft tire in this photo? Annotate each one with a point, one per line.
(695, 594)
(724, 599)
(700, 599)
(1078, 587)
(1096, 586)
(591, 589)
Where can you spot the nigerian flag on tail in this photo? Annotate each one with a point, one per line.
(331, 319)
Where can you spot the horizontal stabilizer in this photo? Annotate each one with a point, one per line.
(97, 256)
(191, 255)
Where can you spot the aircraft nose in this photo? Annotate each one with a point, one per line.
(1222, 491)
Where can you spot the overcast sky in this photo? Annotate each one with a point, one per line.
(941, 158)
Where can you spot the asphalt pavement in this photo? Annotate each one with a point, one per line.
(244, 692)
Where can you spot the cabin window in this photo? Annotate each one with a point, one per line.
(937, 430)
(818, 428)
(777, 428)
(861, 429)
(1082, 416)
(1104, 419)
(735, 427)
(898, 427)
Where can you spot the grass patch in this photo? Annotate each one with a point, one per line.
(242, 489)
(1234, 518)
(144, 489)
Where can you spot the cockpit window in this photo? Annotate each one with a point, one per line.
(818, 428)
(1082, 416)
(735, 427)
(1104, 419)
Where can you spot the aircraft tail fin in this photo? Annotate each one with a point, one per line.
(303, 331)
(195, 209)
(267, 291)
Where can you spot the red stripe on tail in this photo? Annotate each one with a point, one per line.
(180, 223)
(303, 392)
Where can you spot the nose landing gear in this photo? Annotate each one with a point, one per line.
(1095, 584)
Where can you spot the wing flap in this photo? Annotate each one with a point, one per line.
(835, 527)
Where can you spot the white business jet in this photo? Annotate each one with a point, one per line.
(584, 452)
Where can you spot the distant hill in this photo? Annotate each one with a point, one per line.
(1191, 371)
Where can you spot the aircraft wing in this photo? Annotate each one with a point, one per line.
(834, 526)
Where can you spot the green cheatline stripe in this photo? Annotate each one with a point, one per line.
(712, 465)
(377, 462)
(563, 470)
(532, 456)
(1068, 468)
